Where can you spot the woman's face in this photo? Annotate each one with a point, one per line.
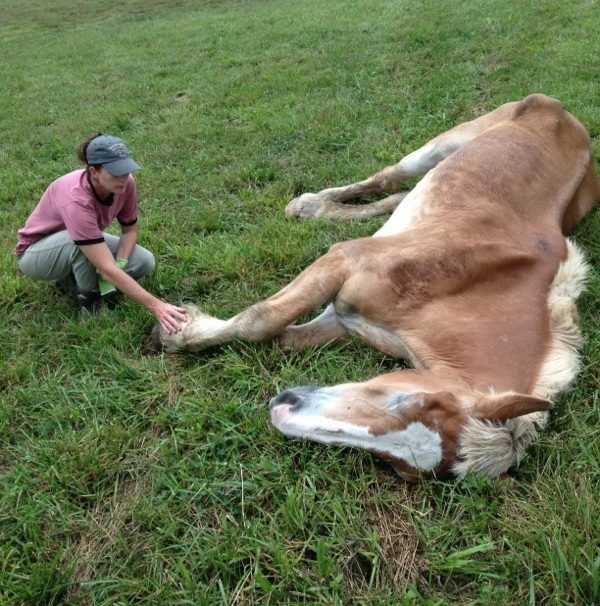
(107, 182)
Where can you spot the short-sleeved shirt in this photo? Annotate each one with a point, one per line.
(70, 203)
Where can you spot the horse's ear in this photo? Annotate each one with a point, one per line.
(506, 406)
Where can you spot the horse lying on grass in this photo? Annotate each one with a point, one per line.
(471, 279)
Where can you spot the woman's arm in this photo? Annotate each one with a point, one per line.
(127, 241)
(170, 317)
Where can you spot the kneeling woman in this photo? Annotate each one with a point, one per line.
(63, 239)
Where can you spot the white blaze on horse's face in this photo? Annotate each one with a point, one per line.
(411, 419)
(394, 423)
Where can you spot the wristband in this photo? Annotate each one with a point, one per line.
(105, 286)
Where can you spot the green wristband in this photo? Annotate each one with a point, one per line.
(105, 286)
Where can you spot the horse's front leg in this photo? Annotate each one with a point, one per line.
(316, 285)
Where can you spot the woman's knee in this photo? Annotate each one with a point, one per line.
(150, 263)
(47, 262)
(142, 263)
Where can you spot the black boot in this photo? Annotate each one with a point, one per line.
(112, 299)
(90, 302)
(67, 285)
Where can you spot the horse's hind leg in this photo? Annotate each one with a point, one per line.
(330, 202)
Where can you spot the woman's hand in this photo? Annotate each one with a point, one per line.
(170, 317)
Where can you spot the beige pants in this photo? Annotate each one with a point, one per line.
(57, 258)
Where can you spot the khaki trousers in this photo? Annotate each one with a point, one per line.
(57, 258)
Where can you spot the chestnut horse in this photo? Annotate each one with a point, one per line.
(471, 280)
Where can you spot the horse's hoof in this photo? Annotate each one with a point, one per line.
(306, 206)
(155, 339)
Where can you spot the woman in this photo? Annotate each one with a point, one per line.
(63, 239)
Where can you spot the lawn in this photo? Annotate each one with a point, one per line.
(132, 478)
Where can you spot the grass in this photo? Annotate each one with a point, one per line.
(127, 478)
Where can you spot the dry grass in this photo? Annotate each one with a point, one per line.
(103, 527)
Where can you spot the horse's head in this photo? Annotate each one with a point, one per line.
(408, 418)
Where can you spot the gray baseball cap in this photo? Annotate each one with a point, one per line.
(113, 154)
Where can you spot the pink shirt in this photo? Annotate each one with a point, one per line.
(69, 203)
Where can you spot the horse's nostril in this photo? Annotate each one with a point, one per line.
(295, 397)
(287, 397)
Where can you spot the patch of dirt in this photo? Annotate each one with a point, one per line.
(399, 564)
(105, 524)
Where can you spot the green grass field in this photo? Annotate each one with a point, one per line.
(128, 478)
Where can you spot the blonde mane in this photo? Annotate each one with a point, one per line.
(491, 448)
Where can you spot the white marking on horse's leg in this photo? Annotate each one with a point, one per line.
(200, 332)
(422, 160)
(206, 331)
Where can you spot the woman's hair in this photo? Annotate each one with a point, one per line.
(82, 148)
